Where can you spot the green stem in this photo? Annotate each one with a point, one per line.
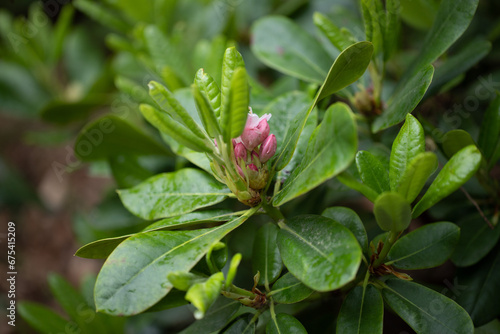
(271, 211)
(393, 236)
(241, 292)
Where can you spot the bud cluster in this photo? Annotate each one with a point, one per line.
(248, 156)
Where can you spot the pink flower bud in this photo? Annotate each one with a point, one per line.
(240, 152)
(256, 130)
(268, 148)
(253, 167)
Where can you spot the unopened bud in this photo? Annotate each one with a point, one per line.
(253, 167)
(268, 148)
(256, 130)
(264, 129)
(240, 152)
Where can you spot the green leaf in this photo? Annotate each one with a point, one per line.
(417, 172)
(374, 20)
(340, 39)
(206, 112)
(404, 99)
(285, 323)
(425, 310)
(455, 140)
(110, 136)
(459, 63)
(63, 112)
(101, 249)
(289, 290)
(183, 281)
(266, 256)
(216, 317)
(460, 168)
(320, 252)
(172, 194)
(233, 122)
(353, 183)
(452, 18)
(392, 212)
(330, 150)
(372, 171)
(409, 143)
(131, 281)
(241, 325)
(136, 92)
(349, 66)
(490, 130)
(169, 104)
(283, 45)
(362, 312)
(392, 28)
(233, 267)
(426, 247)
(209, 88)
(43, 319)
(476, 240)
(480, 289)
(203, 294)
(345, 68)
(231, 61)
(351, 220)
(165, 124)
(127, 171)
(102, 15)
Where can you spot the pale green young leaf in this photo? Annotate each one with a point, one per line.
(416, 175)
(372, 171)
(392, 212)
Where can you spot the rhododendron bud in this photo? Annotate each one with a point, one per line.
(256, 130)
(253, 167)
(268, 148)
(240, 152)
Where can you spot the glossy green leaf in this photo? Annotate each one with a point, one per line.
(241, 325)
(490, 130)
(127, 171)
(203, 294)
(392, 27)
(169, 104)
(351, 220)
(289, 290)
(100, 249)
(372, 171)
(110, 136)
(233, 122)
(426, 247)
(404, 100)
(320, 252)
(216, 317)
(425, 310)
(419, 14)
(452, 18)
(209, 88)
(392, 212)
(330, 150)
(130, 281)
(353, 183)
(460, 168)
(172, 194)
(416, 175)
(165, 124)
(231, 61)
(408, 144)
(285, 323)
(347, 68)
(341, 39)
(206, 112)
(362, 312)
(476, 241)
(480, 287)
(283, 45)
(458, 64)
(455, 140)
(266, 256)
(43, 319)
(183, 280)
(233, 267)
